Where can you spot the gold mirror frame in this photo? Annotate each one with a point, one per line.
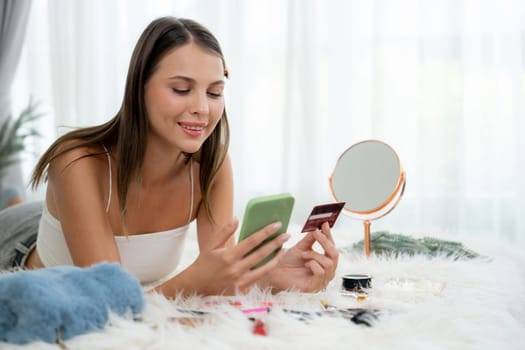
(390, 202)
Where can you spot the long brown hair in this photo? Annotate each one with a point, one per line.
(128, 129)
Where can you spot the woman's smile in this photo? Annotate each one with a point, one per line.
(193, 128)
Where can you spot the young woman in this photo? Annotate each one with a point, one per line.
(126, 191)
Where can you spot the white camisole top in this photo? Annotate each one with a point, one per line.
(150, 256)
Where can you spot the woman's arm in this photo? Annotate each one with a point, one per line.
(77, 193)
(223, 267)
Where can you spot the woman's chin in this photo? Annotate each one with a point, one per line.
(191, 149)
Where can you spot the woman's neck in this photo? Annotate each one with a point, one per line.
(161, 166)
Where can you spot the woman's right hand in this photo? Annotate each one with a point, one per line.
(227, 269)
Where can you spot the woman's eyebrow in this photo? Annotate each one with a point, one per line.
(192, 81)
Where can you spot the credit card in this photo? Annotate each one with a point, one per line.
(323, 213)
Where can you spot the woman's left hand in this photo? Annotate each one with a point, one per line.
(305, 269)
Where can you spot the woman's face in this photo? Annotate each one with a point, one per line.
(184, 97)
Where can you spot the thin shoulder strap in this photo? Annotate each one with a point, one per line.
(192, 190)
(110, 181)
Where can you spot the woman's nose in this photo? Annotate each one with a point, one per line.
(199, 104)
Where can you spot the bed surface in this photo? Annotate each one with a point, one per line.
(420, 302)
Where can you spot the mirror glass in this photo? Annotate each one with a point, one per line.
(368, 176)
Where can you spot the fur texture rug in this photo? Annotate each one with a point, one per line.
(417, 303)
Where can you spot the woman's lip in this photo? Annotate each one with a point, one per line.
(197, 124)
(192, 128)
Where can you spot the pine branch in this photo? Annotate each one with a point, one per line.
(393, 244)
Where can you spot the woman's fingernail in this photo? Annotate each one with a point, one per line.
(276, 225)
(285, 236)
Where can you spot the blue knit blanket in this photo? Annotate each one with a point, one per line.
(58, 303)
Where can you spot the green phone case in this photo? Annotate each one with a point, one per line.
(262, 211)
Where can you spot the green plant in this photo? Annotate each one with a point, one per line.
(13, 134)
(394, 244)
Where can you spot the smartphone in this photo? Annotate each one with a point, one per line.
(262, 211)
(323, 213)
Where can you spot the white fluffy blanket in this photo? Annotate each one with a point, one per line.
(423, 303)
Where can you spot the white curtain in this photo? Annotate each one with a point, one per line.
(13, 19)
(441, 81)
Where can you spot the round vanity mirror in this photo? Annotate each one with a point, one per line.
(369, 177)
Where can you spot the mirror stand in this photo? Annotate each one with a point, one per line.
(366, 241)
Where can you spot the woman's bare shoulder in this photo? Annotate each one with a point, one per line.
(91, 158)
(77, 177)
(69, 151)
